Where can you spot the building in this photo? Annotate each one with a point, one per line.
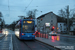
(49, 18)
(62, 27)
(62, 24)
(72, 28)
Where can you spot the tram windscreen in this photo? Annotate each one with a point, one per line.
(28, 27)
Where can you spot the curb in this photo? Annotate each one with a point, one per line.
(48, 44)
(2, 36)
(67, 36)
(11, 43)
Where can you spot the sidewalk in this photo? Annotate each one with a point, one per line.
(65, 35)
(1, 35)
(56, 44)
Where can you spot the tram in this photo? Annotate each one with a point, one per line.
(25, 29)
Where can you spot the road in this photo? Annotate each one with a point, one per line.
(5, 43)
(29, 45)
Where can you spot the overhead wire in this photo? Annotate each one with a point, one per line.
(8, 7)
(28, 5)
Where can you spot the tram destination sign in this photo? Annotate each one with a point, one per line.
(27, 21)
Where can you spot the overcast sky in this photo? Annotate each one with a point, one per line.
(17, 7)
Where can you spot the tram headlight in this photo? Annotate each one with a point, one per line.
(23, 34)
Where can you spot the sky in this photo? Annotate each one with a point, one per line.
(11, 9)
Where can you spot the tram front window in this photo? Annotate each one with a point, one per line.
(28, 28)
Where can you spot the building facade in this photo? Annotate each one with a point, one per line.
(50, 18)
(72, 28)
(62, 27)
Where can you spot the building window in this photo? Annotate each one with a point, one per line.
(51, 24)
(64, 29)
(64, 24)
(72, 25)
(51, 20)
(60, 24)
(61, 27)
(51, 16)
(74, 28)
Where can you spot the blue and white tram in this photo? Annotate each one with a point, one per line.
(25, 29)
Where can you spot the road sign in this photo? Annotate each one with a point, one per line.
(47, 24)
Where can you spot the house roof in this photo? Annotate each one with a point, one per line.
(59, 19)
(44, 15)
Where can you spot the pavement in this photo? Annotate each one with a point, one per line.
(6, 41)
(1, 35)
(71, 36)
(59, 45)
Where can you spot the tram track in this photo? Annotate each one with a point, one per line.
(37, 42)
(27, 45)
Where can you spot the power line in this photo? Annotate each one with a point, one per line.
(28, 5)
(8, 7)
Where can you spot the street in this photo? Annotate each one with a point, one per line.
(29, 45)
(5, 42)
(37, 25)
(21, 44)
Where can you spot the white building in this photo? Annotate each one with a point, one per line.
(61, 27)
(72, 28)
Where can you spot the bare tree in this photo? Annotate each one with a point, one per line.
(65, 13)
(32, 13)
(21, 17)
(1, 16)
(1, 21)
(62, 13)
(72, 12)
(29, 13)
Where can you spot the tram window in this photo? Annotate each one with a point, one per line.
(28, 28)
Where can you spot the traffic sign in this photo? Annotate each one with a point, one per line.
(47, 24)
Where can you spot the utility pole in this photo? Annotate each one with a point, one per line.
(67, 10)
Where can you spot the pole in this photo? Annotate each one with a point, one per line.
(68, 19)
(45, 32)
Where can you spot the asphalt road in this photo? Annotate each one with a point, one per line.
(29, 44)
(5, 41)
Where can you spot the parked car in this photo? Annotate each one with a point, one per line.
(52, 33)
